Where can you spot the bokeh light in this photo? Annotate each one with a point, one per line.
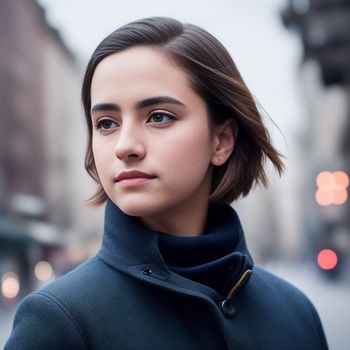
(10, 285)
(324, 197)
(341, 179)
(325, 180)
(327, 259)
(332, 188)
(43, 270)
(340, 197)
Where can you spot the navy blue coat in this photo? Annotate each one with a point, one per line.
(126, 297)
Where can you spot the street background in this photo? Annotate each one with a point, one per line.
(294, 56)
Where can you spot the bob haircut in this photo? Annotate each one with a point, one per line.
(213, 76)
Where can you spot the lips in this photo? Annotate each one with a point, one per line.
(134, 174)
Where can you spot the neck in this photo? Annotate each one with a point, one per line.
(184, 221)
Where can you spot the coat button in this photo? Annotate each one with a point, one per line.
(147, 271)
(228, 309)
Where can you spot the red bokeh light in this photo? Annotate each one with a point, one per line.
(327, 259)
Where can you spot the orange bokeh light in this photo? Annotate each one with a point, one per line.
(43, 270)
(10, 285)
(332, 188)
(340, 197)
(325, 180)
(341, 179)
(327, 259)
(324, 197)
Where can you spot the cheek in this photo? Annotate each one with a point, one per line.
(187, 155)
(101, 158)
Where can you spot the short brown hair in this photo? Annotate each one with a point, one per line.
(215, 77)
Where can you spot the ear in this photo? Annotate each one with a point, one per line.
(224, 142)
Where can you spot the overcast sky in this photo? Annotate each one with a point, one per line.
(266, 53)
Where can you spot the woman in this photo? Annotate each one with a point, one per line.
(174, 138)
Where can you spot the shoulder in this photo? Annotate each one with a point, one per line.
(43, 322)
(85, 278)
(50, 316)
(286, 305)
(273, 283)
(92, 280)
(276, 290)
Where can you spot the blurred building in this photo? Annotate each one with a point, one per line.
(42, 142)
(324, 27)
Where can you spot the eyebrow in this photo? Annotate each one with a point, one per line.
(141, 104)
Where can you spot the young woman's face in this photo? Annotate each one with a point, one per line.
(151, 139)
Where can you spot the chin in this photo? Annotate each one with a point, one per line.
(138, 208)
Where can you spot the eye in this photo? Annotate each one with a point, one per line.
(106, 124)
(159, 117)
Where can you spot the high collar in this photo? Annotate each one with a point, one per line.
(128, 245)
(217, 257)
(127, 242)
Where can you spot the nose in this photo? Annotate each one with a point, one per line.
(129, 144)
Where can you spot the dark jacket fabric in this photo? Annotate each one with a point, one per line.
(128, 297)
(217, 258)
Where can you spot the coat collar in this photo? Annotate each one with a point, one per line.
(127, 242)
(129, 246)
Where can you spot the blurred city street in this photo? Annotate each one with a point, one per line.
(331, 300)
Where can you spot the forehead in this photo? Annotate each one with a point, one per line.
(139, 71)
